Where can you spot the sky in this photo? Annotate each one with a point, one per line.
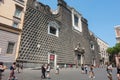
(102, 16)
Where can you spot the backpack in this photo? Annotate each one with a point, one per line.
(11, 68)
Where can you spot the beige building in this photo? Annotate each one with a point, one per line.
(117, 32)
(103, 46)
(11, 23)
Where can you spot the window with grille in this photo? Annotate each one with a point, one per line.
(76, 20)
(18, 12)
(10, 47)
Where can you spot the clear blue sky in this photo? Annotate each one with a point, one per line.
(102, 16)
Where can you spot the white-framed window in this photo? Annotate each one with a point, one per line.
(15, 24)
(53, 28)
(76, 21)
(10, 47)
(18, 11)
(92, 46)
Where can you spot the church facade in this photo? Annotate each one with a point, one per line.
(56, 37)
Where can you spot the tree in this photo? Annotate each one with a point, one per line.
(110, 50)
(115, 50)
(117, 46)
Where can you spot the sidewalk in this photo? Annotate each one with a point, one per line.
(65, 74)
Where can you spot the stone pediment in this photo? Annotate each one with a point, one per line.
(80, 50)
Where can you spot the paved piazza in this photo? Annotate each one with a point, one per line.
(65, 74)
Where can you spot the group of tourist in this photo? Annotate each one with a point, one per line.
(109, 68)
(45, 69)
(12, 69)
(84, 69)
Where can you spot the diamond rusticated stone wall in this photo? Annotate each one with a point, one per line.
(35, 32)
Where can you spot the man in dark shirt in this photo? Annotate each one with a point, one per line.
(43, 71)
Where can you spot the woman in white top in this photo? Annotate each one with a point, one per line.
(48, 71)
(109, 71)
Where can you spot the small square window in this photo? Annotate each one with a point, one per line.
(10, 47)
(53, 30)
(92, 46)
(15, 24)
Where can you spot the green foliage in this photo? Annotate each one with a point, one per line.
(113, 51)
(110, 50)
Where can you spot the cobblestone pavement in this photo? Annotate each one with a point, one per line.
(65, 74)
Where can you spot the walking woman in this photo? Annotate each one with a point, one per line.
(12, 73)
(48, 71)
(91, 72)
(109, 71)
(117, 58)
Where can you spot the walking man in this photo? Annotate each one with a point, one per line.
(43, 71)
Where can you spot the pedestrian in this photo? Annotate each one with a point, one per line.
(2, 68)
(21, 66)
(109, 71)
(48, 71)
(82, 68)
(65, 66)
(91, 72)
(57, 69)
(43, 69)
(117, 58)
(18, 67)
(86, 69)
(12, 73)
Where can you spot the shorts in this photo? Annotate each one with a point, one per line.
(118, 71)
